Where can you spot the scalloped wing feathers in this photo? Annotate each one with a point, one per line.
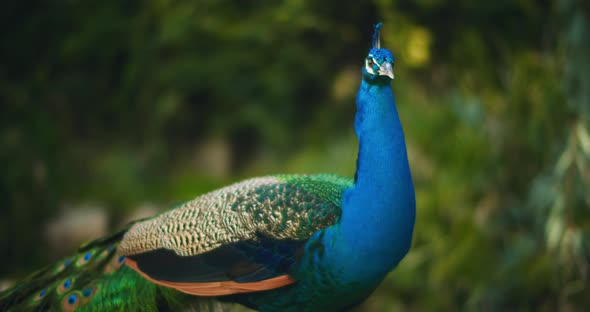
(241, 238)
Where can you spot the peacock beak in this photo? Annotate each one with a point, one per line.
(386, 69)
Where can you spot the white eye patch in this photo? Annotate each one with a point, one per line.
(369, 62)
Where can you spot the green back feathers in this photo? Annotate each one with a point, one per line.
(329, 187)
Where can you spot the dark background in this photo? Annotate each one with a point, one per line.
(113, 110)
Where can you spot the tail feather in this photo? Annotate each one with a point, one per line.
(97, 279)
(68, 283)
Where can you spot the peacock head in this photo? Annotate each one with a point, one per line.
(379, 62)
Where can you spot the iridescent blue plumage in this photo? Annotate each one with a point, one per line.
(344, 262)
(277, 243)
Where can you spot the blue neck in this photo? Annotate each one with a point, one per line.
(379, 210)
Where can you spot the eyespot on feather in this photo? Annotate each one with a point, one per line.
(116, 263)
(40, 295)
(84, 258)
(65, 285)
(63, 265)
(70, 302)
(88, 294)
(106, 252)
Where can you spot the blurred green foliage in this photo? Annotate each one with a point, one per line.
(128, 102)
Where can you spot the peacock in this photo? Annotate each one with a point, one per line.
(276, 243)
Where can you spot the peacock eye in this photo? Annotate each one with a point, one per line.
(370, 62)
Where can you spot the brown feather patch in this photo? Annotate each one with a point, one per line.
(221, 288)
